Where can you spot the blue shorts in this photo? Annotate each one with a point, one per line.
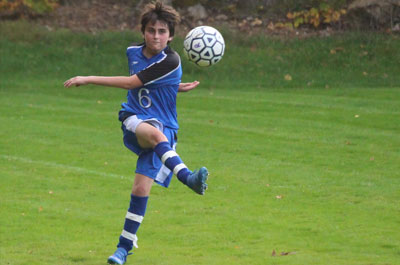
(148, 163)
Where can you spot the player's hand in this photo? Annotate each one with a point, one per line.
(185, 87)
(75, 81)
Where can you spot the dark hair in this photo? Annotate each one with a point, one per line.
(158, 11)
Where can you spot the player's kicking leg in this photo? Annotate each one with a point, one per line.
(195, 180)
(151, 137)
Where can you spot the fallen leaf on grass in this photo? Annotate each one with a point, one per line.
(279, 196)
(287, 253)
(288, 77)
(273, 254)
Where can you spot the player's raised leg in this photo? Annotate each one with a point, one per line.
(195, 180)
(150, 137)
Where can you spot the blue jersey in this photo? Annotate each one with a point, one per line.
(161, 76)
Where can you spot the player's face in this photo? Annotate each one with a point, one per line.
(156, 37)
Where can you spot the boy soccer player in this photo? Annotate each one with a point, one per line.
(149, 119)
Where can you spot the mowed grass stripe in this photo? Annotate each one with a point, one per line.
(80, 99)
(323, 141)
(68, 127)
(85, 171)
(332, 99)
(256, 123)
(332, 117)
(306, 113)
(301, 134)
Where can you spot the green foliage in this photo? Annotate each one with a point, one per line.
(262, 7)
(297, 5)
(315, 17)
(26, 8)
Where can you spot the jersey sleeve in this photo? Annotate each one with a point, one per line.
(160, 69)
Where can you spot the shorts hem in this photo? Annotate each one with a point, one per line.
(162, 184)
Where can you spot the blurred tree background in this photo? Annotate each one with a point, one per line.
(272, 15)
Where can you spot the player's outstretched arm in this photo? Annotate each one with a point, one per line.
(125, 82)
(185, 87)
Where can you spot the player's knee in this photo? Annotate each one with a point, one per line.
(156, 137)
(149, 137)
(140, 190)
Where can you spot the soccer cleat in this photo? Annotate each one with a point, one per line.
(197, 180)
(119, 256)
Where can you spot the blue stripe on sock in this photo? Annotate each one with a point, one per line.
(138, 205)
(183, 175)
(131, 226)
(162, 148)
(125, 243)
(172, 162)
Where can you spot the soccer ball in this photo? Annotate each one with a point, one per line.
(204, 46)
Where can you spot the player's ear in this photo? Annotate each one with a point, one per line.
(170, 39)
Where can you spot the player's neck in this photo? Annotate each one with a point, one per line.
(148, 53)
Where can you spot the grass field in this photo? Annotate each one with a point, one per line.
(308, 167)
